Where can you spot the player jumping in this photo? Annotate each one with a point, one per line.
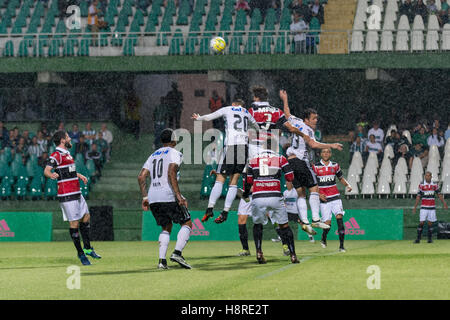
(73, 205)
(427, 192)
(234, 156)
(299, 158)
(327, 171)
(164, 198)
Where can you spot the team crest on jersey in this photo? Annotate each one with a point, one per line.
(69, 157)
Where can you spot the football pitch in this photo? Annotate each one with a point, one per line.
(128, 270)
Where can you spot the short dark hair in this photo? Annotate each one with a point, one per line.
(58, 136)
(260, 92)
(166, 135)
(308, 112)
(240, 102)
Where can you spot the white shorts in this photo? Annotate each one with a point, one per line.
(428, 215)
(245, 208)
(274, 206)
(329, 208)
(74, 210)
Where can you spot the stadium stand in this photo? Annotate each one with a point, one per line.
(394, 30)
(28, 28)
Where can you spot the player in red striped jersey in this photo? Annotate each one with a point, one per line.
(427, 192)
(72, 203)
(330, 199)
(264, 174)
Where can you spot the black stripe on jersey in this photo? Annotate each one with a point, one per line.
(266, 194)
(276, 176)
(72, 197)
(64, 173)
(337, 197)
(326, 183)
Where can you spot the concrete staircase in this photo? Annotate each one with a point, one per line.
(339, 16)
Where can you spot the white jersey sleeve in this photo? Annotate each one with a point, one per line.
(158, 165)
(298, 147)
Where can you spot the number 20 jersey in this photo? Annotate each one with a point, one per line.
(158, 165)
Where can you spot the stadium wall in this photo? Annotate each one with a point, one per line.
(226, 62)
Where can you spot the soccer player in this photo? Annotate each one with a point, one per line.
(244, 211)
(427, 192)
(164, 198)
(61, 167)
(330, 199)
(264, 174)
(299, 154)
(234, 156)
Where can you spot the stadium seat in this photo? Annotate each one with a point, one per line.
(207, 181)
(36, 189)
(399, 188)
(357, 41)
(432, 39)
(183, 13)
(389, 151)
(417, 34)
(5, 189)
(383, 188)
(434, 153)
(51, 189)
(446, 37)
(402, 38)
(387, 40)
(8, 50)
(235, 45)
(353, 174)
(401, 167)
(280, 46)
(372, 160)
(367, 188)
(357, 159)
(266, 45)
(23, 48)
(285, 19)
(191, 43)
(446, 186)
(354, 191)
(251, 45)
(204, 44)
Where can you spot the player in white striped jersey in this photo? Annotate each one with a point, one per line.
(234, 156)
(164, 198)
(299, 157)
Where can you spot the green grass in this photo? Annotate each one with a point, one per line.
(128, 271)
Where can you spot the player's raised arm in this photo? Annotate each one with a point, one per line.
(142, 178)
(317, 145)
(284, 98)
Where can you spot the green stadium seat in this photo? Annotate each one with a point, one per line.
(285, 20)
(84, 8)
(235, 45)
(241, 20)
(69, 50)
(280, 47)
(20, 188)
(251, 45)
(8, 50)
(204, 43)
(256, 20)
(36, 189)
(117, 39)
(207, 181)
(51, 189)
(269, 24)
(84, 189)
(38, 48)
(7, 153)
(226, 21)
(175, 43)
(183, 13)
(23, 48)
(128, 48)
(83, 49)
(53, 48)
(5, 189)
(90, 166)
(191, 43)
(266, 45)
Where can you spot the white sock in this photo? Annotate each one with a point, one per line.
(314, 202)
(215, 194)
(164, 239)
(302, 209)
(182, 238)
(231, 195)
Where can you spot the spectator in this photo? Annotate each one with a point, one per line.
(62, 7)
(215, 103)
(75, 134)
(357, 146)
(407, 9)
(242, 5)
(421, 9)
(42, 141)
(420, 137)
(436, 124)
(102, 145)
(22, 148)
(276, 6)
(392, 140)
(160, 120)
(93, 21)
(26, 136)
(13, 140)
(447, 132)
(443, 15)
(46, 134)
(316, 10)
(421, 152)
(442, 137)
(300, 7)
(363, 123)
(377, 132)
(403, 152)
(108, 136)
(89, 133)
(43, 160)
(4, 135)
(94, 155)
(299, 28)
(81, 147)
(435, 139)
(432, 8)
(174, 100)
(374, 146)
(35, 148)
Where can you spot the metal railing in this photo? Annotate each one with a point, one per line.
(238, 42)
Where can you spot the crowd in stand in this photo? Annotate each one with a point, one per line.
(412, 8)
(416, 144)
(89, 143)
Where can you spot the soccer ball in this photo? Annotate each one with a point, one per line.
(217, 44)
